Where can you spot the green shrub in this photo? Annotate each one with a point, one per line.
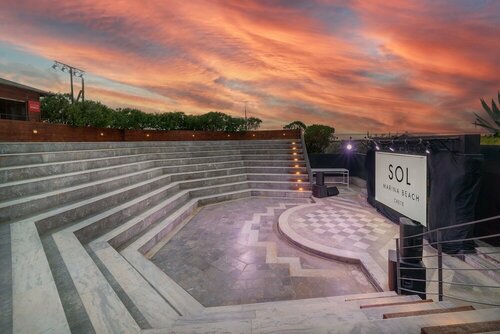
(58, 109)
(54, 108)
(318, 137)
(90, 113)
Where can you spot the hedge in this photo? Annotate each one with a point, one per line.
(57, 108)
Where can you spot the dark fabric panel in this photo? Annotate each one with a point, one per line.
(488, 203)
(455, 180)
(454, 188)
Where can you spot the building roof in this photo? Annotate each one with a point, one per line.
(21, 86)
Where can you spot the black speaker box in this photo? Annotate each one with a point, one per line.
(407, 228)
(320, 179)
(333, 191)
(414, 271)
(319, 191)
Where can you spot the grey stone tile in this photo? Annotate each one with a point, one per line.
(238, 271)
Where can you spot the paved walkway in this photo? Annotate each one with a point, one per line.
(343, 227)
(231, 253)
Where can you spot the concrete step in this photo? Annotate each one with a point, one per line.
(10, 160)
(134, 203)
(471, 327)
(5, 279)
(29, 205)
(487, 264)
(414, 313)
(9, 174)
(36, 306)
(26, 147)
(410, 302)
(328, 306)
(106, 311)
(134, 291)
(17, 189)
(375, 313)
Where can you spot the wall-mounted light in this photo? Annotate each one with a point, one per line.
(102, 134)
(428, 148)
(147, 134)
(35, 131)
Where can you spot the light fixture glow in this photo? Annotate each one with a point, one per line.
(35, 131)
(349, 147)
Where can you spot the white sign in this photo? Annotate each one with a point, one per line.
(401, 184)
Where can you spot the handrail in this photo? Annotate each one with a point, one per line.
(438, 244)
(306, 157)
(453, 226)
(452, 297)
(457, 240)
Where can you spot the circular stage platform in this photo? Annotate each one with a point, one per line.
(343, 228)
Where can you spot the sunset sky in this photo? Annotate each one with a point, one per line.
(378, 66)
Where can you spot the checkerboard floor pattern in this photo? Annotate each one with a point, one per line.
(335, 225)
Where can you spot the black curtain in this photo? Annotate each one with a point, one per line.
(453, 189)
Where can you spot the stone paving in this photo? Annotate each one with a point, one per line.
(230, 253)
(343, 227)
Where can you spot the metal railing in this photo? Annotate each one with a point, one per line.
(438, 245)
(306, 157)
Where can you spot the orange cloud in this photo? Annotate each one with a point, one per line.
(358, 66)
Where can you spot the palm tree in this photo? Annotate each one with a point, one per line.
(494, 114)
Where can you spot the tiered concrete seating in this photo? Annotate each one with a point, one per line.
(78, 221)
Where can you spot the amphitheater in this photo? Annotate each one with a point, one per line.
(81, 221)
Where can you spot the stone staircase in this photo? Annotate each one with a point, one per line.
(77, 221)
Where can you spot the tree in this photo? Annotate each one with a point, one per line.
(492, 125)
(318, 137)
(54, 108)
(253, 123)
(90, 113)
(295, 125)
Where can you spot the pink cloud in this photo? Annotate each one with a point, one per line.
(383, 66)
